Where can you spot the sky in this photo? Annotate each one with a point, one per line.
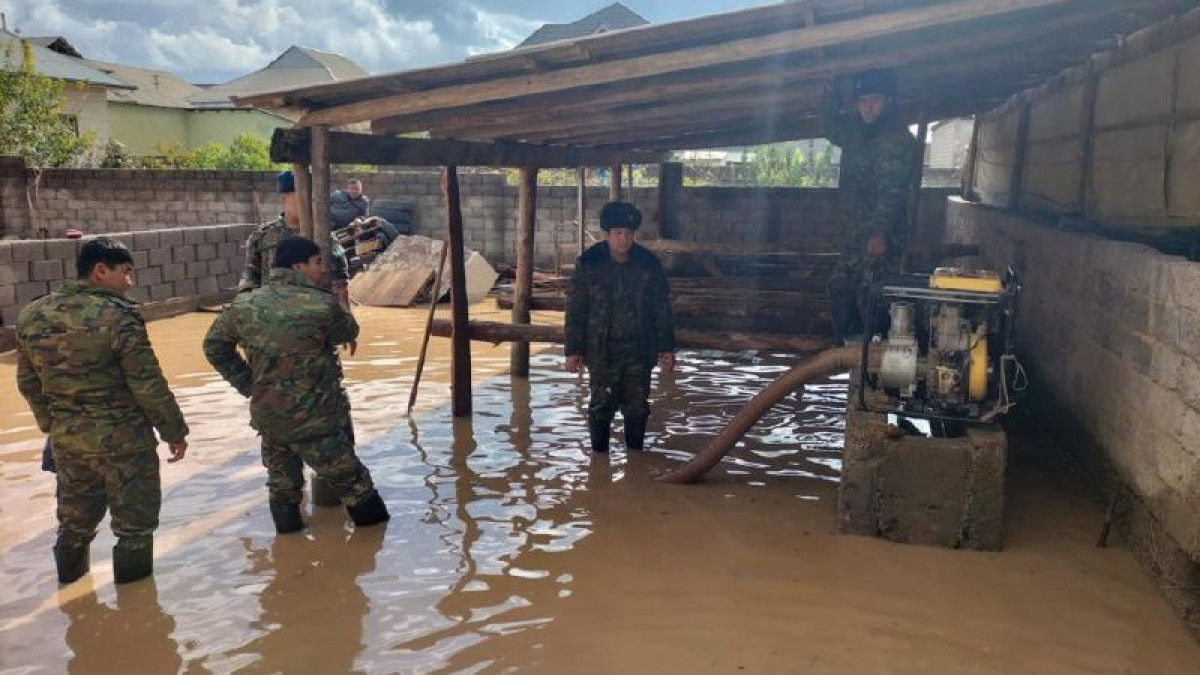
(213, 41)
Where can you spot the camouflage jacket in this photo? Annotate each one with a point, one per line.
(85, 365)
(260, 252)
(289, 331)
(878, 162)
(590, 307)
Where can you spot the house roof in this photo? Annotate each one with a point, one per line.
(57, 43)
(157, 88)
(55, 65)
(740, 78)
(298, 66)
(613, 17)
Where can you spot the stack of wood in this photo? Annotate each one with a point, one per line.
(720, 288)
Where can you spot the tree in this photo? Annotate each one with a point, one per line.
(32, 122)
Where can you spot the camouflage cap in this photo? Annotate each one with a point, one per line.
(620, 214)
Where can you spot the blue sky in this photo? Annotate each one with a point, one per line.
(216, 40)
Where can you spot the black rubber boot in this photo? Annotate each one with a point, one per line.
(323, 494)
(599, 431)
(635, 433)
(370, 511)
(132, 564)
(72, 563)
(287, 518)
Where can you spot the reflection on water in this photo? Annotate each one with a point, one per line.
(511, 548)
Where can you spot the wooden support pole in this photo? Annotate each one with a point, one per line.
(582, 217)
(968, 179)
(1017, 179)
(526, 217)
(629, 179)
(304, 198)
(614, 183)
(914, 194)
(320, 191)
(460, 365)
(670, 199)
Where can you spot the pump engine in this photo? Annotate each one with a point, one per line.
(948, 354)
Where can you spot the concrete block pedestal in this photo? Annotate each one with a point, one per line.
(945, 492)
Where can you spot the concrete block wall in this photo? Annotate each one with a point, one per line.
(1109, 330)
(176, 263)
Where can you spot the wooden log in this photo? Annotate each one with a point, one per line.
(670, 199)
(496, 332)
(581, 217)
(614, 183)
(460, 365)
(691, 58)
(526, 222)
(293, 145)
(320, 192)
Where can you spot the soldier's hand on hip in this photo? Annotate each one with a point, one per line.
(666, 361)
(574, 363)
(876, 247)
(178, 450)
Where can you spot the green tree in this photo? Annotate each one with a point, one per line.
(33, 124)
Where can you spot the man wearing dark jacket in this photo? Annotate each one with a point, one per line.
(619, 325)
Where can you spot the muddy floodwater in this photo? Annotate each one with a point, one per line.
(513, 549)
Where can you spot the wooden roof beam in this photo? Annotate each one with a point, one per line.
(776, 44)
(755, 74)
(292, 145)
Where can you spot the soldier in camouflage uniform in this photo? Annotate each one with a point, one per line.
(879, 157)
(85, 365)
(619, 324)
(289, 331)
(261, 243)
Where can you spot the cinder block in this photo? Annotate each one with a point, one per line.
(5, 252)
(195, 270)
(30, 290)
(185, 288)
(24, 251)
(148, 276)
(46, 270)
(170, 238)
(145, 241)
(160, 292)
(208, 286)
(218, 267)
(8, 295)
(158, 256)
(173, 272)
(141, 259)
(935, 491)
(62, 249)
(14, 273)
(8, 314)
(206, 251)
(183, 254)
(227, 250)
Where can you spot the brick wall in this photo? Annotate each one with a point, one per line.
(1108, 330)
(175, 263)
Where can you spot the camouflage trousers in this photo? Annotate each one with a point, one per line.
(331, 456)
(849, 286)
(622, 381)
(126, 484)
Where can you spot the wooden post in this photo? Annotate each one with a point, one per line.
(582, 199)
(629, 179)
(614, 184)
(526, 217)
(968, 178)
(320, 191)
(670, 198)
(914, 195)
(304, 198)
(460, 364)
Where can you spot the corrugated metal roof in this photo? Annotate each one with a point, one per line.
(55, 65)
(157, 88)
(296, 67)
(614, 17)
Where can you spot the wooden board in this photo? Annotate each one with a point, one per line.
(390, 288)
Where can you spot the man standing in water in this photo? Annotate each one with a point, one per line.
(619, 324)
(289, 331)
(85, 365)
(879, 157)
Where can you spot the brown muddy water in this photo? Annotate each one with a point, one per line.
(512, 549)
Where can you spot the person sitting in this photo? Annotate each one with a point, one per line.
(348, 204)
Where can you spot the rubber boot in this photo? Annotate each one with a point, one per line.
(370, 511)
(132, 564)
(71, 562)
(635, 432)
(323, 494)
(287, 518)
(599, 431)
